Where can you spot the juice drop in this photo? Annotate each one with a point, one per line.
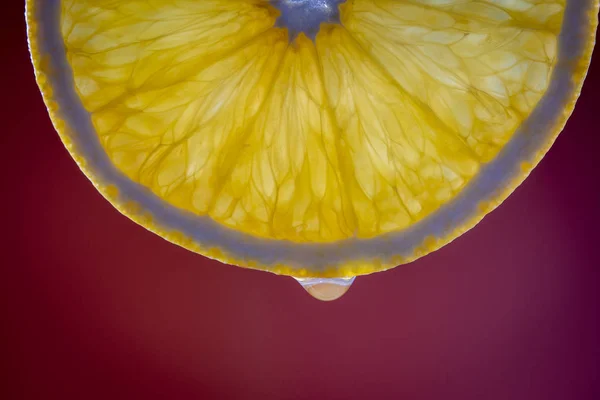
(326, 289)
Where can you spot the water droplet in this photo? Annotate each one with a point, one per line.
(326, 289)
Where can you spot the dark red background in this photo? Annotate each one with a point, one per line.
(92, 306)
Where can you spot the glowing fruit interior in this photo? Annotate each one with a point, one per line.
(360, 128)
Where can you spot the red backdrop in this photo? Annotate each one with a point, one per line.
(93, 306)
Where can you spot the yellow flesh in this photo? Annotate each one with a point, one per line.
(366, 131)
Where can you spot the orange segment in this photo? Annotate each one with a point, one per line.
(286, 182)
(480, 68)
(403, 162)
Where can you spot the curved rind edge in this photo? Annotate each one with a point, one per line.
(348, 269)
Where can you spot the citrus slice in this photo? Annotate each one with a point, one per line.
(310, 138)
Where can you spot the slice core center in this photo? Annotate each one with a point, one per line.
(306, 16)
